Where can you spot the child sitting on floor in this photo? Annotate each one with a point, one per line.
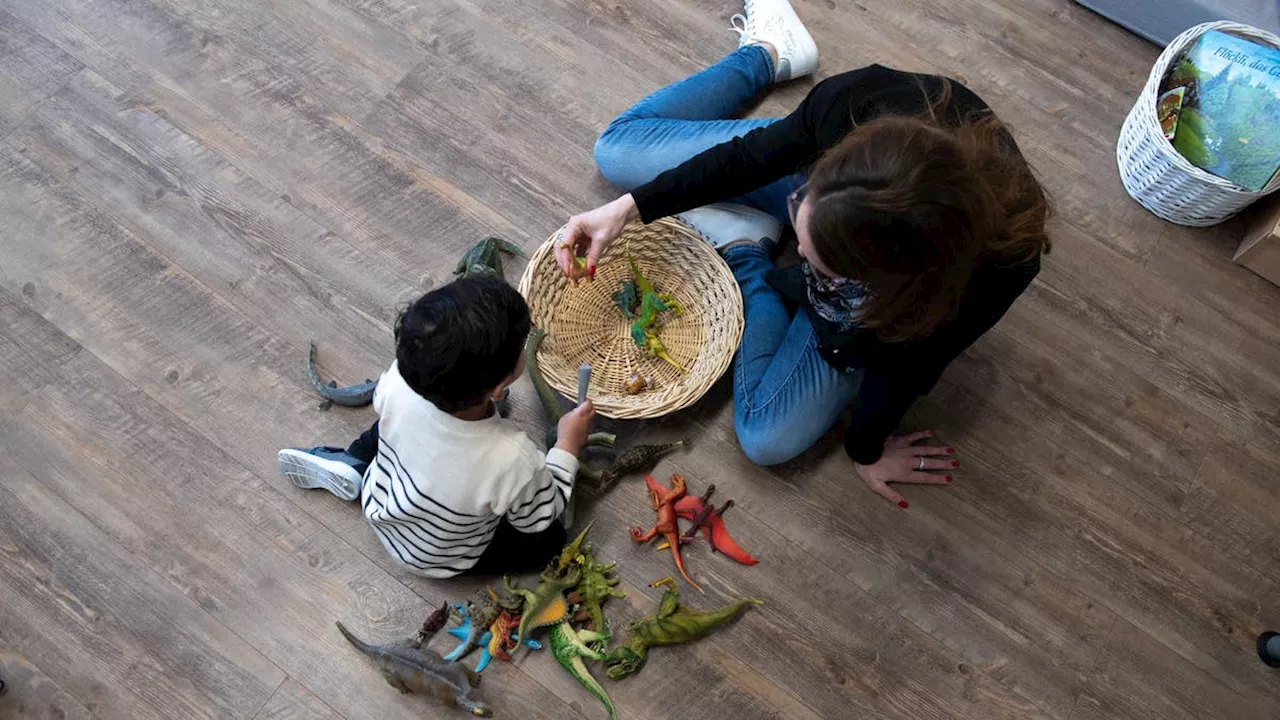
(448, 485)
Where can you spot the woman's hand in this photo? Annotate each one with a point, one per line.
(901, 463)
(589, 233)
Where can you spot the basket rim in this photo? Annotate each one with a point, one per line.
(691, 394)
(1145, 107)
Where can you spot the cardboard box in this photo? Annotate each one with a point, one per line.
(1260, 250)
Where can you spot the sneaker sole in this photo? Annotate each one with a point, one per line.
(310, 472)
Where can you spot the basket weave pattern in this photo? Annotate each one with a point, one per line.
(583, 325)
(1155, 174)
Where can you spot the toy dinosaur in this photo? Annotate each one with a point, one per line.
(409, 666)
(485, 257)
(475, 620)
(570, 554)
(638, 299)
(569, 647)
(545, 604)
(673, 624)
(502, 637)
(595, 587)
(636, 459)
(349, 396)
(663, 501)
(709, 520)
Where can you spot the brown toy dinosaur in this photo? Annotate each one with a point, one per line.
(409, 666)
(664, 504)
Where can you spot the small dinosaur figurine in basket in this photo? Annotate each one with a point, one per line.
(640, 300)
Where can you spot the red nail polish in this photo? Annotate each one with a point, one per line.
(948, 478)
(903, 504)
(955, 463)
(929, 433)
(592, 270)
(951, 451)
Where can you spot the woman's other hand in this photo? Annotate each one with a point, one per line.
(905, 462)
(589, 233)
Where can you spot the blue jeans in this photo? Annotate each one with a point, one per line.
(785, 394)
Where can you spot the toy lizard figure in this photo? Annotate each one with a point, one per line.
(485, 257)
(409, 666)
(636, 459)
(673, 624)
(663, 501)
(708, 519)
(595, 587)
(569, 647)
(641, 301)
(545, 604)
(349, 396)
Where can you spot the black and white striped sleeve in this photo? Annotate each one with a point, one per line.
(546, 494)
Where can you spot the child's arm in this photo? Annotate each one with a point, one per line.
(545, 496)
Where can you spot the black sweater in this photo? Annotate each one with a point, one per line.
(894, 374)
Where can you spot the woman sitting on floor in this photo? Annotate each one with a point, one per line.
(917, 218)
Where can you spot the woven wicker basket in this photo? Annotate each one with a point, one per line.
(583, 325)
(1155, 174)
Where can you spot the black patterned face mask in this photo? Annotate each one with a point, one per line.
(836, 300)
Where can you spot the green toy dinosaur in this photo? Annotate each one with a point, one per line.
(595, 587)
(409, 666)
(545, 604)
(569, 647)
(485, 257)
(673, 624)
(640, 300)
(551, 404)
(571, 553)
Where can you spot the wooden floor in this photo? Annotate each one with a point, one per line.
(190, 189)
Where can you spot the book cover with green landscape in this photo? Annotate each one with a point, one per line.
(1229, 122)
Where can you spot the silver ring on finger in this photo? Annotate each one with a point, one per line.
(920, 465)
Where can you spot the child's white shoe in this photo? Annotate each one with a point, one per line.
(775, 22)
(322, 467)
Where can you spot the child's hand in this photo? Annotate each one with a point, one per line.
(573, 428)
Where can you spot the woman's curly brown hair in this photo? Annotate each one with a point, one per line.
(910, 205)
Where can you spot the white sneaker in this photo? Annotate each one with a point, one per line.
(724, 224)
(776, 22)
(321, 467)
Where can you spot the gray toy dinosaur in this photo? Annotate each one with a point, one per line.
(409, 666)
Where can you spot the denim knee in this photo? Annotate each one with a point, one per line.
(609, 156)
(765, 444)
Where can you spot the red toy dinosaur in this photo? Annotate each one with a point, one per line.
(707, 518)
(664, 504)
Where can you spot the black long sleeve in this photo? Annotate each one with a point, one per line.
(827, 114)
(895, 374)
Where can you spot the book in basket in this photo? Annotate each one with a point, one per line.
(1229, 120)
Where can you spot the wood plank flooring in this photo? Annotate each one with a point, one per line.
(190, 189)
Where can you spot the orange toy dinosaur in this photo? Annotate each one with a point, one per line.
(664, 504)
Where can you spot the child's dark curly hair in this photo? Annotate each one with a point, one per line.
(457, 343)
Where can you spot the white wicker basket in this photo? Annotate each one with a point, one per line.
(1155, 174)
